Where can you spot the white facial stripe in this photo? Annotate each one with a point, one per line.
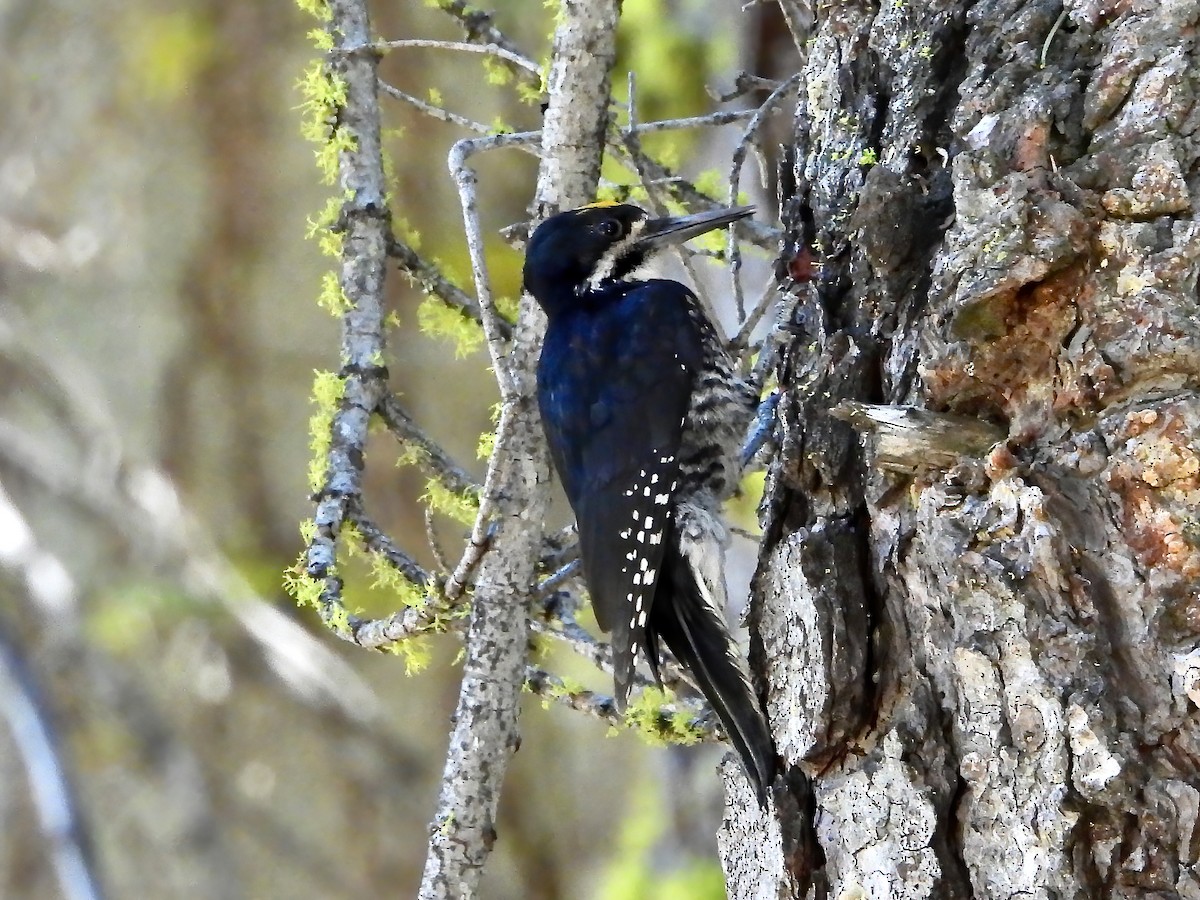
(608, 262)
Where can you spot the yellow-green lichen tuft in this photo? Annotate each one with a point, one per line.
(300, 586)
(328, 390)
(487, 444)
(332, 298)
(321, 226)
(318, 9)
(416, 651)
(508, 307)
(496, 72)
(321, 39)
(461, 507)
(657, 724)
(437, 319)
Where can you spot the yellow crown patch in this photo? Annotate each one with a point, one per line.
(600, 204)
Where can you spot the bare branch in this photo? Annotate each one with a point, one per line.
(376, 541)
(432, 458)
(464, 177)
(734, 252)
(434, 111)
(434, 282)
(480, 28)
(600, 706)
(496, 50)
(720, 117)
(741, 340)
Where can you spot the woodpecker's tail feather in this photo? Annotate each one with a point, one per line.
(689, 618)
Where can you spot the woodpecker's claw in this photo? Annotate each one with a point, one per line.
(760, 428)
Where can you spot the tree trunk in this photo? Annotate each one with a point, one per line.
(981, 655)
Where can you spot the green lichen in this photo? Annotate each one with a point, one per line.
(321, 39)
(437, 319)
(318, 9)
(650, 715)
(508, 307)
(332, 298)
(302, 587)
(461, 507)
(321, 226)
(486, 445)
(416, 651)
(496, 72)
(328, 390)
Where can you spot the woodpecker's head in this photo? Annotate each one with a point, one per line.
(578, 250)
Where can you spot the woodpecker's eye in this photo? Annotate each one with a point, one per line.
(611, 228)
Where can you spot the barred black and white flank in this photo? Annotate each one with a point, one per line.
(645, 416)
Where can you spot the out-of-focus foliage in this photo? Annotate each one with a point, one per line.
(634, 872)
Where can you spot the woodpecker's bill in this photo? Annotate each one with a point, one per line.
(645, 415)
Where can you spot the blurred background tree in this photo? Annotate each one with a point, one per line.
(159, 331)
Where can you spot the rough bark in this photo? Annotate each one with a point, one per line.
(989, 665)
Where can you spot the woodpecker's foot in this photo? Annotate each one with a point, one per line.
(760, 428)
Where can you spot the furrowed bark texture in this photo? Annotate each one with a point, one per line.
(990, 667)
(485, 733)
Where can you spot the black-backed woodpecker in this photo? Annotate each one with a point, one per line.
(645, 414)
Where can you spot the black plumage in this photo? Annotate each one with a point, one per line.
(644, 416)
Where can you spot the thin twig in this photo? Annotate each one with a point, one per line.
(721, 117)
(410, 622)
(555, 580)
(435, 546)
(432, 458)
(465, 178)
(377, 541)
(481, 28)
(741, 341)
(1062, 16)
(434, 111)
(490, 49)
(734, 251)
(601, 706)
(434, 282)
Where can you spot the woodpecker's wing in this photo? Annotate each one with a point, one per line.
(614, 384)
